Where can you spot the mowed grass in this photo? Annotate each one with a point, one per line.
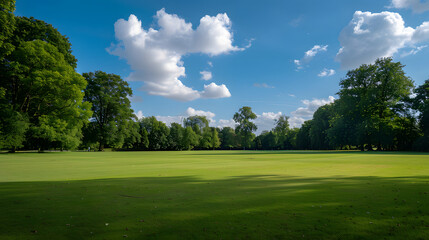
(214, 195)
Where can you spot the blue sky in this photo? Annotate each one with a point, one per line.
(269, 55)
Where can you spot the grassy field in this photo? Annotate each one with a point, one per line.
(214, 195)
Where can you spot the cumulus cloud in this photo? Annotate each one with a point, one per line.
(306, 113)
(215, 91)
(192, 112)
(155, 55)
(374, 35)
(309, 55)
(266, 121)
(326, 73)
(206, 75)
(416, 5)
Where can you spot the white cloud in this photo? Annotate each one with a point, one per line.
(262, 85)
(215, 91)
(225, 123)
(374, 35)
(155, 54)
(305, 113)
(326, 73)
(416, 5)
(266, 121)
(192, 112)
(139, 115)
(414, 51)
(309, 55)
(179, 118)
(206, 75)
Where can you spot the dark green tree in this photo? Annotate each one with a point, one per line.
(303, 141)
(320, 126)
(421, 104)
(228, 138)
(245, 127)
(108, 94)
(368, 95)
(281, 130)
(157, 133)
(7, 27)
(175, 138)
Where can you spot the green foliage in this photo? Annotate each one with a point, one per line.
(108, 94)
(45, 89)
(228, 138)
(320, 126)
(367, 96)
(215, 141)
(175, 138)
(13, 128)
(303, 140)
(7, 27)
(30, 29)
(245, 126)
(157, 133)
(190, 138)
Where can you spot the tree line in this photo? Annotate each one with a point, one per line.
(46, 104)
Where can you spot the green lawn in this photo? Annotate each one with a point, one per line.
(214, 195)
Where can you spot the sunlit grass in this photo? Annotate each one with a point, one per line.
(214, 195)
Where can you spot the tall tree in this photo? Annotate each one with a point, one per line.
(175, 138)
(303, 140)
(190, 138)
(281, 130)
(228, 138)
(41, 92)
(368, 95)
(320, 126)
(245, 127)
(157, 133)
(215, 141)
(108, 94)
(421, 104)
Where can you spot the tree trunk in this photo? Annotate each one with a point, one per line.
(101, 147)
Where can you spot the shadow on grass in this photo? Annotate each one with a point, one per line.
(242, 207)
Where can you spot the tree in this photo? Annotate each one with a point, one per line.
(245, 126)
(367, 97)
(30, 29)
(157, 133)
(108, 94)
(197, 123)
(190, 138)
(421, 104)
(175, 138)
(227, 138)
(41, 94)
(303, 141)
(281, 130)
(7, 27)
(320, 126)
(47, 92)
(215, 141)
